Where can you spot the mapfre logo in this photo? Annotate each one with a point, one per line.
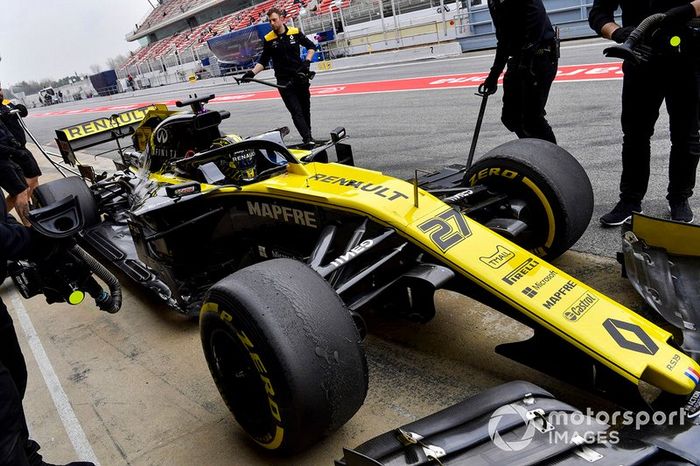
(497, 259)
(559, 294)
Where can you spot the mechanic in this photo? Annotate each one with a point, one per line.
(670, 75)
(16, 448)
(12, 178)
(528, 44)
(19, 154)
(282, 46)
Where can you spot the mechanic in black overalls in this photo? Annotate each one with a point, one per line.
(21, 156)
(282, 46)
(673, 75)
(12, 178)
(527, 43)
(16, 448)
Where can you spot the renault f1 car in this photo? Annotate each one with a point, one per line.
(281, 251)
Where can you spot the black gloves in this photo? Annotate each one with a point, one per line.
(620, 35)
(490, 85)
(305, 66)
(7, 109)
(303, 73)
(248, 76)
(678, 15)
(23, 112)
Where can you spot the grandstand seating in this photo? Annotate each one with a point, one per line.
(138, 56)
(167, 10)
(325, 6)
(197, 36)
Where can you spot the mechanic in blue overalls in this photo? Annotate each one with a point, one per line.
(282, 46)
(16, 448)
(673, 75)
(527, 43)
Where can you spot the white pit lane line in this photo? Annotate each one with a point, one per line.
(58, 395)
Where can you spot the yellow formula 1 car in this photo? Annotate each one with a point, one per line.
(281, 252)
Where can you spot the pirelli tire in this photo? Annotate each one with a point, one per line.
(56, 190)
(552, 185)
(284, 353)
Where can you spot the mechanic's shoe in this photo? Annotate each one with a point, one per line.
(681, 211)
(308, 144)
(620, 213)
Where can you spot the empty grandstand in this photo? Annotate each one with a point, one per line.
(175, 33)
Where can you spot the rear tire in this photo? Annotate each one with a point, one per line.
(48, 193)
(284, 353)
(549, 182)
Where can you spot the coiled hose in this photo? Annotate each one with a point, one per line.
(627, 50)
(111, 302)
(643, 28)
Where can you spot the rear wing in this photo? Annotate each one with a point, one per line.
(105, 129)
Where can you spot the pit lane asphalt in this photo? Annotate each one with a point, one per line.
(138, 382)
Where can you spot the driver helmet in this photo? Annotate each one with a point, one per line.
(241, 166)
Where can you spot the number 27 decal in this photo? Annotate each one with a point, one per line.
(445, 233)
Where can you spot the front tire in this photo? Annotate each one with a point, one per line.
(547, 189)
(284, 353)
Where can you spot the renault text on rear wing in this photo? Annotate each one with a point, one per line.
(100, 130)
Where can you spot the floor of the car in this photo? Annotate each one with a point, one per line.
(113, 241)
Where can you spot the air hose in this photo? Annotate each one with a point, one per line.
(642, 29)
(110, 302)
(627, 51)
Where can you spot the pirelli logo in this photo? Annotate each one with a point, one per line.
(520, 271)
(584, 302)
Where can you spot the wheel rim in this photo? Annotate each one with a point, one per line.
(234, 368)
(525, 205)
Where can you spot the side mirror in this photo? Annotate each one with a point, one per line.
(338, 134)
